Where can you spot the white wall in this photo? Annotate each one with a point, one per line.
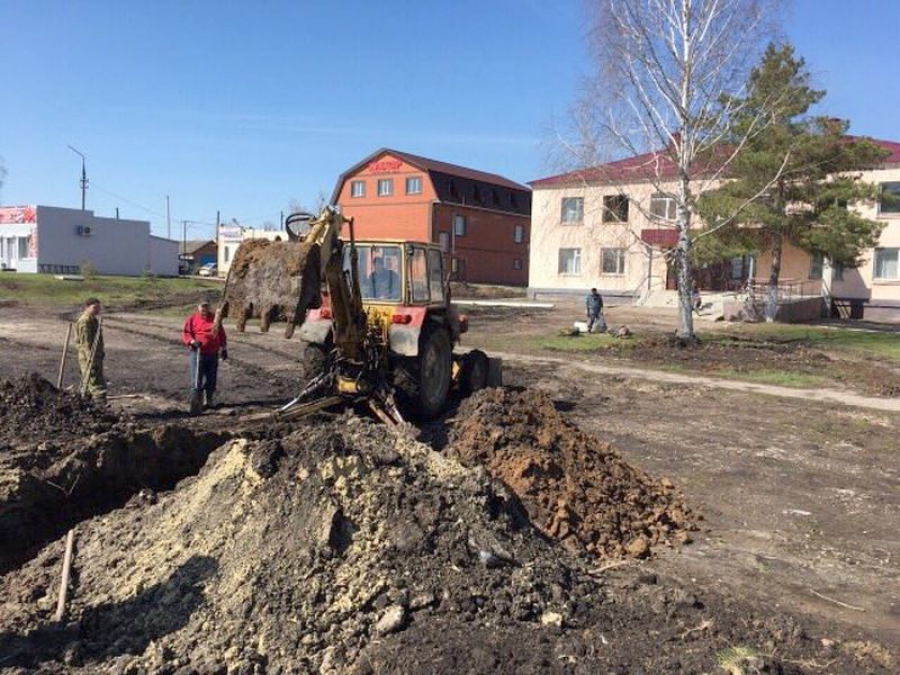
(163, 257)
(114, 246)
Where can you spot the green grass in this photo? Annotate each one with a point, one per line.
(770, 376)
(44, 290)
(861, 342)
(583, 343)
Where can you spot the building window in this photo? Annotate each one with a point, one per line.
(226, 252)
(615, 209)
(517, 264)
(385, 187)
(459, 226)
(513, 200)
(414, 185)
(451, 188)
(572, 210)
(816, 263)
(570, 261)
(890, 201)
(886, 263)
(519, 234)
(495, 197)
(458, 267)
(444, 241)
(23, 248)
(837, 272)
(662, 206)
(358, 188)
(613, 261)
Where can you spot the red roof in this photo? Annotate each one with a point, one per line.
(658, 164)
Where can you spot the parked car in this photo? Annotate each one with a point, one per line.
(208, 270)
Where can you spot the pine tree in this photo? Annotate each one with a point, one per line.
(816, 167)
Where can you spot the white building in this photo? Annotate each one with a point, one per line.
(230, 238)
(57, 240)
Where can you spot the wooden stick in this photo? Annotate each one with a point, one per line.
(64, 584)
(837, 602)
(62, 361)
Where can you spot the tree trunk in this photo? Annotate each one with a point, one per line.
(685, 276)
(772, 296)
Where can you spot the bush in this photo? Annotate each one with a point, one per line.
(88, 269)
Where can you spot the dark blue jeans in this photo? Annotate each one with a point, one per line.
(209, 368)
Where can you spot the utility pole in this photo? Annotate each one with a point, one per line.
(84, 179)
(168, 220)
(183, 255)
(282, 220)
(218, 225)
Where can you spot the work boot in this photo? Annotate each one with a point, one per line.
(207, 399)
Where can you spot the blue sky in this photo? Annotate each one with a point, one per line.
(244, 107)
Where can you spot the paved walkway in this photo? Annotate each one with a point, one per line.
(833, 396)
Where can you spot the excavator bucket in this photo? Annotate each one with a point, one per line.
(280, 280)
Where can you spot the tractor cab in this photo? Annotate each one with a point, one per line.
(400, 273)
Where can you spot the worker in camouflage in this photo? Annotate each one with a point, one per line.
(88, 339)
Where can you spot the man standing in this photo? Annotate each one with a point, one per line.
(593, 303)
(89, 342)
(206, 344)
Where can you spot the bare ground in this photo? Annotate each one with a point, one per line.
(800, 499)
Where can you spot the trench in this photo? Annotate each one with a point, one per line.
(96, 476)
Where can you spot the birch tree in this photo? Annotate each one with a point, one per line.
(668, 81)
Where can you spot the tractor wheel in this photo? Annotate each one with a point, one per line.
(314, 360)
(423, 382)
(474, 372)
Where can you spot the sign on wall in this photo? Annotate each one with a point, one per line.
(386, 165)
(17, 215)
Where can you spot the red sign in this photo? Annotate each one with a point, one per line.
(18, 214)
(665, 238)
(385, 166)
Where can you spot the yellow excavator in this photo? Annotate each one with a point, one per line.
(374, 316)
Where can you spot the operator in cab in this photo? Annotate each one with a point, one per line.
(384, 282)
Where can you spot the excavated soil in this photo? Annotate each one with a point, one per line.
(341, 547)
(574, 486)
(32, 408)
(63, 459)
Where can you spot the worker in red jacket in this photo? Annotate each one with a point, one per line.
(206, 344)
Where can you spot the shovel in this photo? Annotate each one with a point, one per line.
(196, 394)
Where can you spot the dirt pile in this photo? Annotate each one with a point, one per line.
(574, 486)
(343, 548)
(32, 409)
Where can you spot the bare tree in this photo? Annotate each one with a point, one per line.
(667, 86)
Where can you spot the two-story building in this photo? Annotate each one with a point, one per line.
(481, 220)
(612, 226)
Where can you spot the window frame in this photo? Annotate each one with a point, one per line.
(457, 219)
(875, 257)
(610, 215)
(418, 181)
(622, 254)
(816, 267)
(444, 241)
(894, 210)
(387, 182)
(518, 233)
(671, 205)
(578, 212)
(577, 257)
(355, 184)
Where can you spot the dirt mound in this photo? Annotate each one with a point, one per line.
(342, 548)
(575, 487)
(32, 409)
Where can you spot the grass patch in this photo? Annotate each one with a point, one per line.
(590, 342)
(861, 342)
(738, 660)
(781, 378)
(44, 290)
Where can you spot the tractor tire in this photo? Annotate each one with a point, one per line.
(422, 383)
(313, 361)
(473, 374)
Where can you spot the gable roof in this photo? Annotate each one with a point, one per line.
(193, 245)
(659, 164)
(439, 171)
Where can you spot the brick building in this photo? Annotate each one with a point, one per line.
(481, 220)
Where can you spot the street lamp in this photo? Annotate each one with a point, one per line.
(84, 179)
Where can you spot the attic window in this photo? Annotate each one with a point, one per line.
(512, 199)
(495, 197)
(476, 194)
(451, 188)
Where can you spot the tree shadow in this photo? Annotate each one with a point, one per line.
(109, 630)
